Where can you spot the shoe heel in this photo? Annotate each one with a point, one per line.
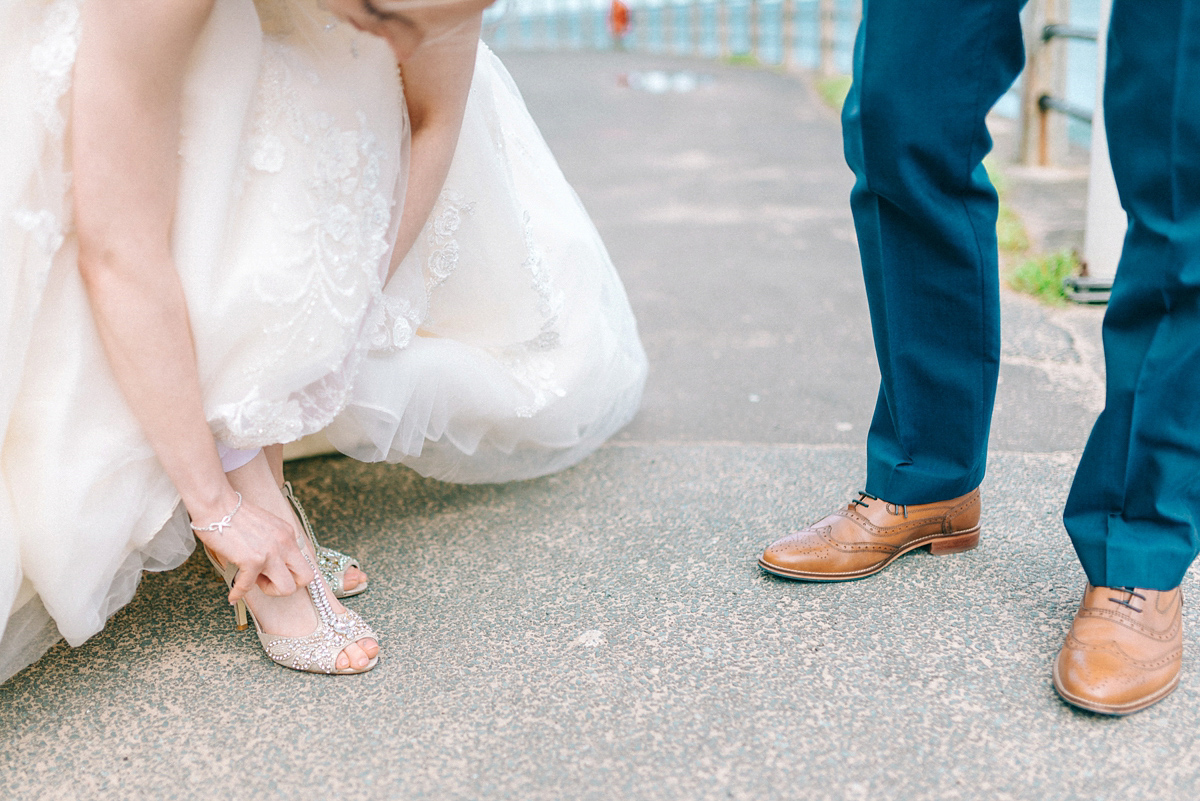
(955, 544)
(239, 612)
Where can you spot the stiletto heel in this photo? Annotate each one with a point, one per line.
(333, 564)
(316, 652)
(239, 613)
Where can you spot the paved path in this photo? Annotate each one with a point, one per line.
(604, 633)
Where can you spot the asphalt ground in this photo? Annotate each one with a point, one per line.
(605, 632)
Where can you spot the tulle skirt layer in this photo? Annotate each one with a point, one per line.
(519, 354)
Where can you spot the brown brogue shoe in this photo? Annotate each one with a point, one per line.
(1124, 650)
(870, 534)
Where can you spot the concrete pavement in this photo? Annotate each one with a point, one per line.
(605, 633)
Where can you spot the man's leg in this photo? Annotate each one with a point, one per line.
(1135, 502)
(926, 73)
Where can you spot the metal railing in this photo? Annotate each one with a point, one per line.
(1043, 135)
(1048, 102)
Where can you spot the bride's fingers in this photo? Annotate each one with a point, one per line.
(278, 579)
(284, 568)
(298, 566)
(267, 553)
(287, 573)
(247, 576)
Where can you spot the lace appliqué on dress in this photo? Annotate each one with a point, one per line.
(256, 420)
(528, 361)
(43, 226)
(331, 256)
(397, 321)
(392, 323)
(443, 246)
(51, 62)
(550, 300)
(53, 59)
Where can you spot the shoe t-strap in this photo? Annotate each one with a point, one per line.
(316, 590)
(291, 496)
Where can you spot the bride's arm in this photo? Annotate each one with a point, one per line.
(437, 78)
(126, 113)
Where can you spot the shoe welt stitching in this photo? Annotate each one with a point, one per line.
(882, 547)
(943, 534)
(855, 573)
(892, 550)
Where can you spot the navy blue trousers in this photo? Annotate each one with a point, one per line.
(926, 72)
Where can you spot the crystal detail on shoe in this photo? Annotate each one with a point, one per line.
(332, 562)
(318, 652)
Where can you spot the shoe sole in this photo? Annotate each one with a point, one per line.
(1115, 710)
(354, 671)
(957, 542)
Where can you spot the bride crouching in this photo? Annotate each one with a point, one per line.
(245, 257)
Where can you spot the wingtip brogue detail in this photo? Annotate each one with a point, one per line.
(869, 534)
(1124, 651)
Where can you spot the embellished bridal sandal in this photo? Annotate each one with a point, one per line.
(333, 564)
(316, 652)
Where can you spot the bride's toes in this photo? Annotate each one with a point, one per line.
(353, 578)
(370, 647)
(343, 660)
(356, 656)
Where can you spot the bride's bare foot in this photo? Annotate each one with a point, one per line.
(293, 615)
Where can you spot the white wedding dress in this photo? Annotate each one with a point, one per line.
(503, 348)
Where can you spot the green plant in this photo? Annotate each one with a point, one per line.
(833, 90)
(742, 60)
(1010, 231)
(995, 176)
(1043, 277)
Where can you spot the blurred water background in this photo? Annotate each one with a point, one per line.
(749, 31)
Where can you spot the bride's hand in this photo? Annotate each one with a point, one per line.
(263, 546)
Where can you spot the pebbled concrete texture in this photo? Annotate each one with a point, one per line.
(605, 632)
